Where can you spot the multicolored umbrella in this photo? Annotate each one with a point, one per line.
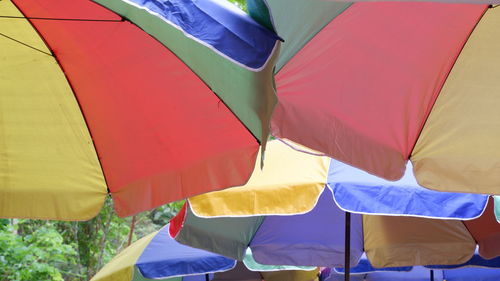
(286, 216)
(483, 269)
(159, 257)
(364, 266)
(151, 101)
(375, 84)
(419, 273)
(440, 1)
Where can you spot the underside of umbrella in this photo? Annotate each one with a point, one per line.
(376, 84)
(158, 256)
(151, 102)
(403, 224)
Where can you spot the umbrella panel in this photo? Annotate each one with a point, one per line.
(148, 115)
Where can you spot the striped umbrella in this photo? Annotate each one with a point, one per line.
(375, 84)
(135, 98)
(287, 216)
(159, 257)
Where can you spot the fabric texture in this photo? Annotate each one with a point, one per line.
(457, 150)
(164, 257)
(145, 101)
(357, 191)
(297, 22)
(290, 183)
(121, 267)
(486, 231)
(256, 96)
(315, 237)
(226, 236)
(391, 241)
(387, 73)
(49, 167)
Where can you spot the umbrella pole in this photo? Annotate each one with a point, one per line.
(347, 247)
(206, 277)
(131, 231)
(432, 275)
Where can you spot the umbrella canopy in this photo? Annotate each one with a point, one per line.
(484, 269)
(158, 256)
(419, 273)
(375, 84)
(443, 1)
(229, 221)
(135, 98)
(364, 266)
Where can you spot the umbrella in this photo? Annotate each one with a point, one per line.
(157, 256)
(419, 273)
(375, 84)
(271, 218)
(134, 98)
(478, 267)
(497, 207)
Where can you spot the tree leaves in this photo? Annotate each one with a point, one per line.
(36, 256)
(56, 250)
(242, 4)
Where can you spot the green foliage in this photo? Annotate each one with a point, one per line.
(38, 255)
(164, 213)
(71, 251)
(242, 4)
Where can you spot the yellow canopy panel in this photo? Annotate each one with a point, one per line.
(392, 241)
(48, 164)
(291, 275)
(290, 183)
(121, 267)
(459, 149)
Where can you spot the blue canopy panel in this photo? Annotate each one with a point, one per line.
(357, 191)
(419, 273)
(364, 266)
(487, 270)
(164, 257)
(234, 34)
(476, 260)
(308, 239)
(329, 274)
(471, 273)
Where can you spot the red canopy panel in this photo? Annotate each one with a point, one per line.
(486, 232)
(160, 133)
(361, 90)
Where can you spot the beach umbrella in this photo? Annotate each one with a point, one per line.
(476, 268)
(159, 257)
(375, 84)
(420, 273)
(443, 1)
(364, 266)
(278, 218)
(317, 237)
(150, 101)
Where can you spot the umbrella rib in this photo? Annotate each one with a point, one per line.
(300, 150)
(62, 19)
(27, 45)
